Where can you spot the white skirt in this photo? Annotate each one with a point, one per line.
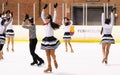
(49, 43)
(10, 33)
(67, 36)
(107, 38)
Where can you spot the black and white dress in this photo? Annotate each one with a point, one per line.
(107, 30)
(49, 42)
(2, 33)
(9, 30)
(67, 35)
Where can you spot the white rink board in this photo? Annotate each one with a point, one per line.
(81, 33)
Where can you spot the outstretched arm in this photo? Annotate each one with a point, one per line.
(112, 18)
(27, 27)
(6, 24)
(55, 15)
(103, 18)
(42, 16)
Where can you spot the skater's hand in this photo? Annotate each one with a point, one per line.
(45, 6)
(26, 17)
(55, 5)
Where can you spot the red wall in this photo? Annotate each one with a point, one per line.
(26, 6)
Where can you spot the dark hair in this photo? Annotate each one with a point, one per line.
(107, 21)
(67, 23)
(3, 21)
(49, 17)
(8, 11)
(31, 20)
(8, 19)
(53, 24)
(66, 18)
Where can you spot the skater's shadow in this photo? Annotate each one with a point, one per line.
(117, 65)
(61, 73)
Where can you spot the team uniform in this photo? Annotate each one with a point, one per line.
(67, 35)
(2, 33)
(107, 30)
(9, 30)
(49, 41)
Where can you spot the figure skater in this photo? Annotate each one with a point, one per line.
(67, 37)
(49, 42)
(33, 40)
(3, 24)
(10, 31)
(107, 39)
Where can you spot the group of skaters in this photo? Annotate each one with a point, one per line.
(49, 42)
(6, 30)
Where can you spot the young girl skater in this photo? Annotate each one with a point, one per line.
(10, 31)
(49, 42)
(3, 24)
(107, 39)
(67, 37)
(33, 40)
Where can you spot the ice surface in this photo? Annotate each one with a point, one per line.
(86, 60)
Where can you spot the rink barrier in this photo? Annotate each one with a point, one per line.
(82, 33)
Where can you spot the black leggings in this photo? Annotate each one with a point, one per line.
(1, 46)
(32, 46)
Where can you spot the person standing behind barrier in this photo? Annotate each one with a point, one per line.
(67, 37)
(33, 40)
(9, 30)
(107, 39)
(49, 42)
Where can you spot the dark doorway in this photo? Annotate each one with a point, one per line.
(88, 16)
(78, 15)
(94, 15)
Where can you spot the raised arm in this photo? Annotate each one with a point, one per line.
(55, 15)
(112, 18)
(8, 22)
(71, 22)
(27, 27)
(42, 16)
(103, 18)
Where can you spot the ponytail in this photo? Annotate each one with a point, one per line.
(54, 25)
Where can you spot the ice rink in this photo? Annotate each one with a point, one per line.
(86, 60)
